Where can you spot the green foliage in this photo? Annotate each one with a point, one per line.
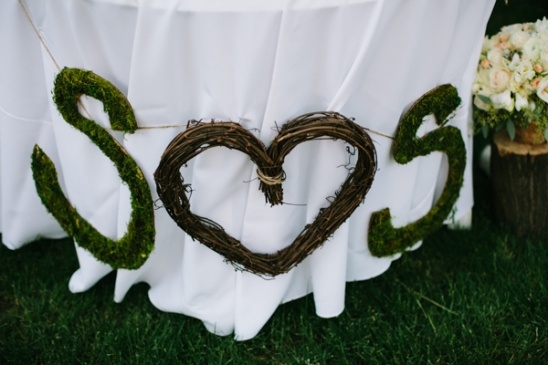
(383, 238)
(133, 249)
(465, 297)
(497, 119)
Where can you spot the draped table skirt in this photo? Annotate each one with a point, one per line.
(257, 63)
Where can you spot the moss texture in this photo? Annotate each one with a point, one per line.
(383, 238)
(134, 248)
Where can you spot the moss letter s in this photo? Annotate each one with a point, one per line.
(384, 239)
(133, 249)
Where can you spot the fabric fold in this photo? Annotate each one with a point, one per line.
(259, 64)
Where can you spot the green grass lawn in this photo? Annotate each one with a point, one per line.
(465, 297)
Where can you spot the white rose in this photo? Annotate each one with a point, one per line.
(488, 43)
(495, 56)
(542, 89)
(525, 70)
(541, 25)
(512, 28)
(542, 37)
(521, 102)
(482, 76)
(532, 48)
(517, 85)
(518, 39)
(503, 100)
(498, 79)
(543, 58)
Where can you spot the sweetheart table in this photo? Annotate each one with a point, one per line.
(258, 63)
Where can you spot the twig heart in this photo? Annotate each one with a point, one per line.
(203, 136)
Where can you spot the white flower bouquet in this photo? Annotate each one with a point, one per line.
(511, 85)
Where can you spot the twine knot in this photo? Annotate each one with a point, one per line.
(271, 180)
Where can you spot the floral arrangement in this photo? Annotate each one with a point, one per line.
(511, 85)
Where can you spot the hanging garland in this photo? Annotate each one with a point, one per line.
(383, 238)
(133, 249)
(203, 136)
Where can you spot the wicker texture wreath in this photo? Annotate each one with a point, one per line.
(203, 136)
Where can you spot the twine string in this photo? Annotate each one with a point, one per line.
(44, 44)
(270, 180)
(40, 38)
(264, 178)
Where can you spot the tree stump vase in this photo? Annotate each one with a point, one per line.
(519, 178)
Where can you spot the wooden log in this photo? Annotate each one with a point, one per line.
(519, 178)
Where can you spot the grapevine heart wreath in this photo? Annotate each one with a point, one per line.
(203, 136)
(134, 248)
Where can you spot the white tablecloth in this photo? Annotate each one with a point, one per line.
(259, 63)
